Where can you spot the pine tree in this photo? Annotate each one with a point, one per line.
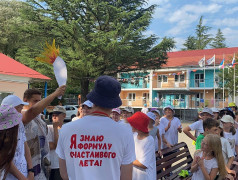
(203, 39)
(219, 40)
(190, 43)
(95, 37)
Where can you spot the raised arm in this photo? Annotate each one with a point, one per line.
(36, 109)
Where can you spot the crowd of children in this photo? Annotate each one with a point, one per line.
(216, 138)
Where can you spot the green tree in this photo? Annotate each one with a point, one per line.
(219, 40)
(95, 37)
(190, 43)
(203, 39)
(10, 38)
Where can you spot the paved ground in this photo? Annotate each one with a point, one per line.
(184, 138)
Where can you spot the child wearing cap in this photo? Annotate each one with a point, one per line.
(154, 132)
(215, 113)
(198, 125)
(115, 114)
(144, 167)
(58, 116)
(126, 113)
(22, 163)
(9, 124)
(172, 126)
(227, 122)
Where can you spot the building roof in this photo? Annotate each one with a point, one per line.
(9, 66)
(192, 57)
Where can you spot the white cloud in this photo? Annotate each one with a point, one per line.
(189, 14)
(230, 22)
(148, 32)
(231, 10)
(231, 36)
(224, 1)
(179, 44)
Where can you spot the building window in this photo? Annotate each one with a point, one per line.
(165, 78)
(132, 96)
(179, 78)
(159, 78)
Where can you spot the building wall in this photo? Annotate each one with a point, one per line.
(139, 100)
(16, 88)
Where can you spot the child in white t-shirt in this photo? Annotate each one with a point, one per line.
(227, 123)
(172, 126)
(144, 167)
(208, 161)
(198, 125)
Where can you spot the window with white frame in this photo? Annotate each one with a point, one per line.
(179, 78)
(132, 96)
(146, 96)
(199, 77)
(164, 78)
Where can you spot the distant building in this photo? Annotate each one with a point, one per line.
(15, 77)
(180, 83)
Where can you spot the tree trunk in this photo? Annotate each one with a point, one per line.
(84, 89)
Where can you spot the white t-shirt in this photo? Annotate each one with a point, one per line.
(209, 165)
(161, 132)
(145, 110)
(95, 148)
(145, 154)
(233, 140)
(197, 127)
(226, 149)
(19, 158)
(54, 159)
(172, 134)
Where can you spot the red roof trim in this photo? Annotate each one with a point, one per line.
(192, 57)
(9, 66)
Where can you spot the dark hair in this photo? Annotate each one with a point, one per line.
(8, 144)
(221, 133)
(30, 92)
(226, 111)
(210, 123)
(233, 130)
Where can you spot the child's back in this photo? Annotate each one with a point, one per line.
(145, 154)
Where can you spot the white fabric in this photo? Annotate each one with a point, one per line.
(19, 159)
(172, 134)
(161, 133)
(233, 140)
(226, 149)
(145, 154)
(54, 159)
(197, 127)
(112, 139)
(209, 165)
(145, 110)
(75, 118)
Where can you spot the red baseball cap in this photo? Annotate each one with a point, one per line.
(139, 121)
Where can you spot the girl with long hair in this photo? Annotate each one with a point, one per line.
(209, 160)
(9, 123)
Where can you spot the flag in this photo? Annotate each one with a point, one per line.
(221, 66)
(211, 60)
(233, 61)
(201, 63)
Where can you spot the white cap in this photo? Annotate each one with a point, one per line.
(12, 100)
(151, 115)
(207, 110)
(227, 118)
(88, 103)
(116, 110)
(215, 110)
(168, 107)
(129, 109)
(59, 109)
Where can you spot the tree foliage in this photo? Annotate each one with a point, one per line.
(219, 40)
(190, 43)
(95, 37)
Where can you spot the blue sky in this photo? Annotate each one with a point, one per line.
(178, 19)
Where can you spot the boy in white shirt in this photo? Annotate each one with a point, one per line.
(58, 116)
(144, 167)
(198, 125)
